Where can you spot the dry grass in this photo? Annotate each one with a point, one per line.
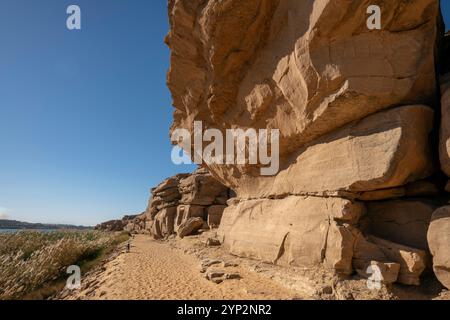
(32, 260)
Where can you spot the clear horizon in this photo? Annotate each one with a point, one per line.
(86, 114)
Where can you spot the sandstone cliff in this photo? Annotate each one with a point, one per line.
(356, 110)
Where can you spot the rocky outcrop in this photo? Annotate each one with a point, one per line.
(305, 68)
(297, 231)
(189, 227)
(439, 242)
(385, 150)
(180, 203)
(355, 112)
(115, 225)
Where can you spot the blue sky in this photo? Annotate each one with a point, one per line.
(84, 114)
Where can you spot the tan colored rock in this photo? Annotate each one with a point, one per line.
(388, 272)
(412, 261)
(402, 221)
(183, 193)
(201, 189)
(385, 150)
(185, 212)
(339, 249)
(421, 188)
(308, 69)
(163, 224)
(439, 242)
(189, 227)
(298, 231)
(215, 214)
(365, 252)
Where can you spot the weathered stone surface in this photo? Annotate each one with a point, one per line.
(439, 242)
(385, 150)
(215, 215)
(444, 145)
(380, 271)
(201, 189)
(182, 193)
(163, 224)
(367, 249)
(216, 275)
(339, 249)
(189, 227)
(308, 69)
(291, 231)
(412, 261)
(421, 188)
(185, 212)
(212, 242)
(402, 221)
(116, 225)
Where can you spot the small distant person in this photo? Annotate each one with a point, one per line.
(128, 246)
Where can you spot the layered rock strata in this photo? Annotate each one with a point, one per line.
(355, 111)
(179, 203)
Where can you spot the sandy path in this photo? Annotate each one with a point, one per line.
(154, 270)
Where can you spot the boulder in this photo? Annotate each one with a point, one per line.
(185, 212)
(383, 272)
(367, 249)
(308, 68)
(412, 261)
(189, 227)
(402, 221)
(297, 231)
(365, 252)
(439, 242)
(212, 242)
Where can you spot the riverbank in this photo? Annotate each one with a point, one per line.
(34, 264)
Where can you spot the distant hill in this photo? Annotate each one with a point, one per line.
(12, 224)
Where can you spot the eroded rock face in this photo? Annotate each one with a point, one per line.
(306, 68)
(402, 221)
(439, 242)
(180, 204)
(385, 150)
(115, 225)
(298, 231)
(352, 107)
